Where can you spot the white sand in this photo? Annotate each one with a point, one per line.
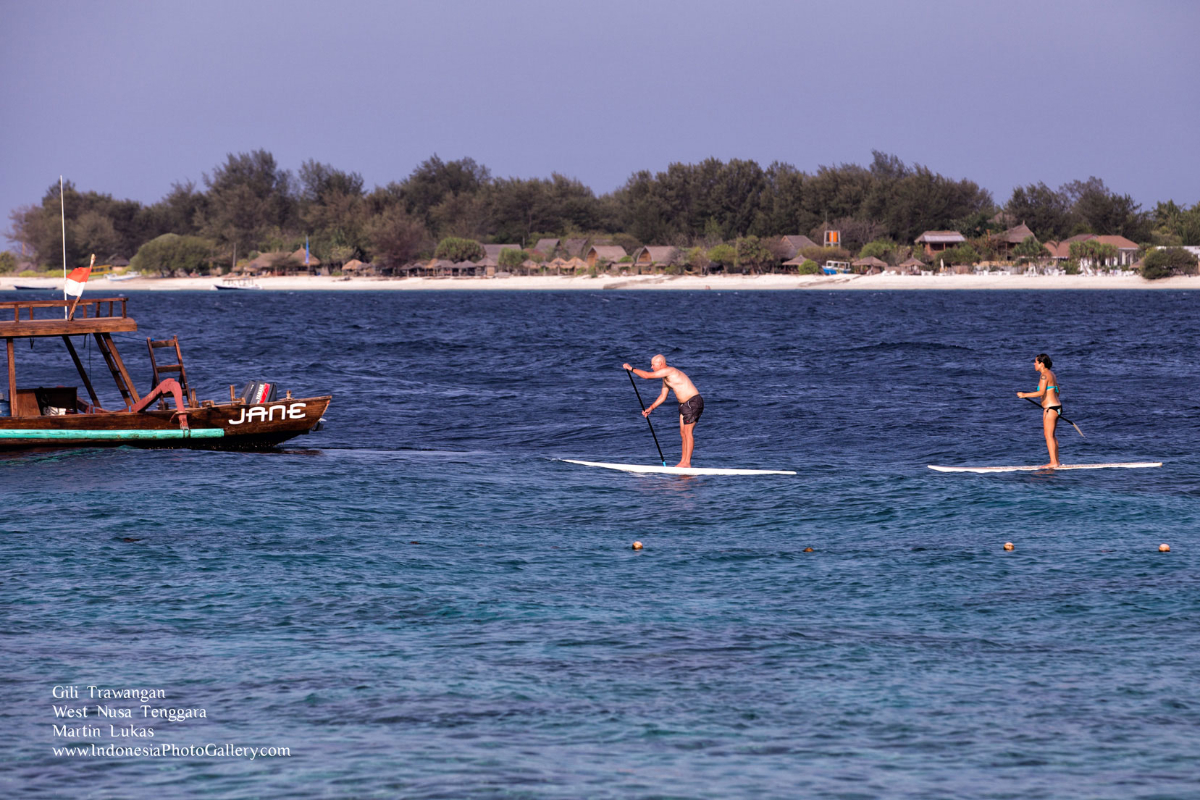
(101, 287)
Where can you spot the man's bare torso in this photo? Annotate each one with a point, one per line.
(680, 384)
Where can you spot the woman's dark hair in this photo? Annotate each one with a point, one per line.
(1045, 359)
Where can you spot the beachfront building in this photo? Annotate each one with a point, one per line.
(604, 252)
(492, 251)
(870, 265)
(546, 247)
(279, 262)
(651, 257)
(791, 245)
(1127, 251)
(937, 241)
(573, 248)
(1012, 237)
(356, 268)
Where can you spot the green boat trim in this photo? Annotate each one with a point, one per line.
(111, 436)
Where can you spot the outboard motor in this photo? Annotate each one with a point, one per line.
(258, 392)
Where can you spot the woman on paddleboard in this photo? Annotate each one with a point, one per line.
(1047, 391)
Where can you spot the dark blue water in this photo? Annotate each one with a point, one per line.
(420, 601)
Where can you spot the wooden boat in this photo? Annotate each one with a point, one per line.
(167, 416)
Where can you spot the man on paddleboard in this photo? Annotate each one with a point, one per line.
(691, 404)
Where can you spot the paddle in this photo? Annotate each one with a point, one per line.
(1060, 416)
(633, 383)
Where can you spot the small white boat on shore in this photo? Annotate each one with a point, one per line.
(237, 284)
(128, 276)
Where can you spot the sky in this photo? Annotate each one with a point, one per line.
(128, 97)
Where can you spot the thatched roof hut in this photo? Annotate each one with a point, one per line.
(575, 264)
(1015, 235)
(651, 255)
(792, 244)
(870, 262)
(604, 252)
(573, 247)
(546, 246)
(492, 251)
(299, 255)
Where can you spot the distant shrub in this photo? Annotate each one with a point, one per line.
(963, 254)
(170, 254)
(880, 248)
(28, 273)
(809, 267)
(1167, 262)
(8, 262)
(512, 259)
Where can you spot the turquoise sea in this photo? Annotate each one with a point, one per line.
(421, 601)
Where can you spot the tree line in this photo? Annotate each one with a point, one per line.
(250, 204)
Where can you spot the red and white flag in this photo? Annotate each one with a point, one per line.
(76, 280)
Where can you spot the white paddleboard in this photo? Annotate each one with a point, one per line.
(1128, 465)
(660, 470)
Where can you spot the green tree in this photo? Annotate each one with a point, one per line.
(1167, 261)
(394, 237)
(450, 185)
(962, 254)
(883, 249)
(171, 252)
(723, 254)
(809, 267)
(456, 249)
(1176, 224)
(1094, 251)
(1106, 212)
(8, 262)
(1030, 247)
(512, 259)
(1045, 211)
(249, 196)
(753, 254)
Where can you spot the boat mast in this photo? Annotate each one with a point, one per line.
(62, 205)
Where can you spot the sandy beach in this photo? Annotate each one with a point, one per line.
(644, 282)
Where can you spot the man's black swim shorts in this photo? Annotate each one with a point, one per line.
(692, 409)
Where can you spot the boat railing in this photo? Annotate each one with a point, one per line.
(83, 309)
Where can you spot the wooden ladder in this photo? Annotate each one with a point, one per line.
(116, 366)
(175, 369)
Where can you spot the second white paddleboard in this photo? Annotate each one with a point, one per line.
(661, 470)
(1128, 465)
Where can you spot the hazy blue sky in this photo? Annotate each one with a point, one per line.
(128, 97)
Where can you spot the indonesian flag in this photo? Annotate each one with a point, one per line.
(76, 280)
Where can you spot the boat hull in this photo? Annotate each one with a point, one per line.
(220, 427)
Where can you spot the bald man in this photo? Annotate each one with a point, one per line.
(691, 404)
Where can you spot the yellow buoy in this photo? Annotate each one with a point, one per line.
(1008, 545)
(1164, 548)
(637, 545)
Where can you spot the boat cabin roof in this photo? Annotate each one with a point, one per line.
(25, 319)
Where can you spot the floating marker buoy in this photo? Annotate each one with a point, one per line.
(1164, 548)
(637, 545)
(1008, 545)
(808, 549)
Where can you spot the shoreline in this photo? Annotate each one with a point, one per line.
(637, 282)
